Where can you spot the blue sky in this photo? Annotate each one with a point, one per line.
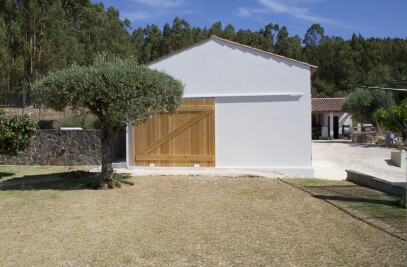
(371, 18)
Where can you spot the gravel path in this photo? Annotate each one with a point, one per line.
(330, 159)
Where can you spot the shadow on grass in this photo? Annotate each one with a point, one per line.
(54, 181)
(352, 194)
(358, 199)
(353, 199)
(5, 174)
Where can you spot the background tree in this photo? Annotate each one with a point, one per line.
(16, 133)
(363, 106)
(37, 37)
(116, 91)
(399, 112)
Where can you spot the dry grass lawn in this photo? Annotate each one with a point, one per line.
(176, 221)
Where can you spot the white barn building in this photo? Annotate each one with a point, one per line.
(244, 108)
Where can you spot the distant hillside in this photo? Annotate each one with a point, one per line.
(41, 36)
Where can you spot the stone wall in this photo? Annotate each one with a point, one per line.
(63, 148)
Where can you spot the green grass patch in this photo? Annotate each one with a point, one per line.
(309, 182)
(360, 201)
(380, 205)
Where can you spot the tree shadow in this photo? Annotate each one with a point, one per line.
(53, 181)
(5, 175)
(73, 180)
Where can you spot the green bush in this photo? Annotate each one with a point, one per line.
(16, 133)
(401, 202)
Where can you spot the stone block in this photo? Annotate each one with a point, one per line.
(398, 157)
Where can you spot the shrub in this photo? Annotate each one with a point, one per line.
(16, 133)
(401, 202)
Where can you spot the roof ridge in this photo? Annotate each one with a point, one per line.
(177, 51)
(214, 37)
(266, 52)
(329, 97)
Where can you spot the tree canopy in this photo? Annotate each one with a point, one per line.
(38, 37)
(363, 106)
(399, 112)
(116, 91)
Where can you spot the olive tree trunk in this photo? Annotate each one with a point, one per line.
(109, 134)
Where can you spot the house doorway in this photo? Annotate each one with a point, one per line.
(336, 127)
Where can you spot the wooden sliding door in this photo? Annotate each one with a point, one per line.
(180, 140)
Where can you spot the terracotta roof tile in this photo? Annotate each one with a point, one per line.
(327, 104)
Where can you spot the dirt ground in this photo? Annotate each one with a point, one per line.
(330, 159)
(192, 221)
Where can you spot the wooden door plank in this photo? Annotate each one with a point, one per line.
(177, 131)
(190, 158)
(181, 147)
(195, 108)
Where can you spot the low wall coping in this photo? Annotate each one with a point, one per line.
(378, 184)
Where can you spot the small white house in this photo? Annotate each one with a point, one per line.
(329, 121)
(244, 108)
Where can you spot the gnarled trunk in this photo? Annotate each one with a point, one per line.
(109, 134)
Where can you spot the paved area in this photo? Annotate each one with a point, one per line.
(330, 159)
(177, 171)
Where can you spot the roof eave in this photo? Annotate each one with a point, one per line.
(312, 67)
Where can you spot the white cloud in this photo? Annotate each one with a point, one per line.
(138, 15)
(149, 9)
(244, 12)
(295, 11)
(251, 13)
(189, 12)
(294, 8)
(160, 3)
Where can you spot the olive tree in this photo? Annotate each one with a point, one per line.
(362, 105)
(16, 133)
(399, 112)
(116, 91)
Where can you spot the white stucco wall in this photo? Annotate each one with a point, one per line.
(263, 104)
(264, 133)
(343, 119)
(216, 68)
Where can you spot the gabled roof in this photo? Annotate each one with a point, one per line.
(327, 104)
(214, 37)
